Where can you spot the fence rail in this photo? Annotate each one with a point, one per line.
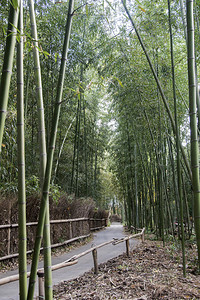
(74, 260)
(92, 224)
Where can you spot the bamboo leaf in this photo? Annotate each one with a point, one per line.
(110, 4)
(14, 3)
(142, 8)
(46, 54)
(119, 81)
(86, 9)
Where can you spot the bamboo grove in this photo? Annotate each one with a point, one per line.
(100, 99)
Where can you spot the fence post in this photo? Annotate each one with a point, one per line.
(9, 229)
(70, 230)
(127, 248)
(142, 237)
(94, 253)
(41, 284)
(89, 223)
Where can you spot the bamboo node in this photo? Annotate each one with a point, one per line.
(195, 166)
(47, 248)
(191, 29)
(47, 267)
(7, 71)
(22, 272)
(23, 239)
(192, 113)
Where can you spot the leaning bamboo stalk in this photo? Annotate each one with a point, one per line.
(21, 164)
(50, 154)
(61, 148)
(165, 102)
(43, 154)
(193, 122)
(40, 105)
(7, 66)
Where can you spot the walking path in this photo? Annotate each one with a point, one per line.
(10, 291)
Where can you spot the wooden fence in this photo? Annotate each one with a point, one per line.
(63, 232)
(74, 260)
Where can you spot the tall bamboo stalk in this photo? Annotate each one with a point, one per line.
(75, 146)
(50, 154)
(177, 142)
(183, 18)
(61, 148)
(159, 88)
(21, 164)
(193, 122)
(7, 65)
(43, 154)
(38, 77)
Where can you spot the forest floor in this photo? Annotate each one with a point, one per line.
(151, 272)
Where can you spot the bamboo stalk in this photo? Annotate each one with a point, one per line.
(50, 155)
(21, 164)
(193, 123)
(40, 104)
(7, 66)
(177, 143)
(61, 148)
(43, 154)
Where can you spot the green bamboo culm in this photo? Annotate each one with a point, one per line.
(43, 154)
(177, 143)
(50, 154)
(193, 122)
(37, 68)
(7, 65)
(21, 164)
(159, 88)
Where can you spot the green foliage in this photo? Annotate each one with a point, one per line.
(32, 185)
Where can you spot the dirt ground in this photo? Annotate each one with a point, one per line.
(151, 272)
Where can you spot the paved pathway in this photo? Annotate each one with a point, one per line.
(10, 291)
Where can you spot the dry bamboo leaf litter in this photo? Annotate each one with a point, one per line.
(151, 272)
